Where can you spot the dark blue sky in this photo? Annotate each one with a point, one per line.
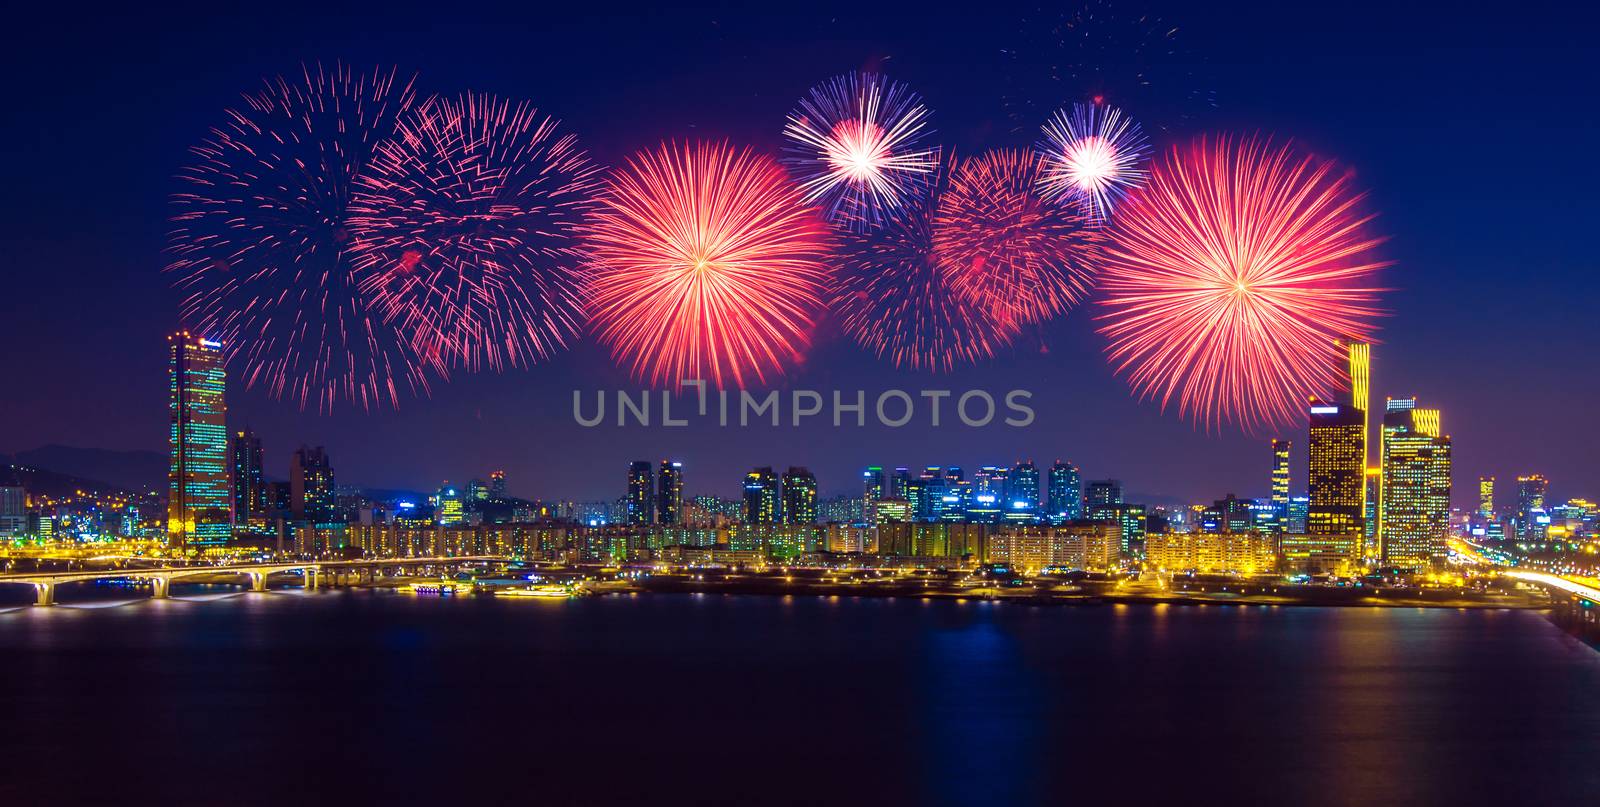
(1474, 129)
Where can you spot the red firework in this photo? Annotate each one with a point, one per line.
(463, 232)
(707, 265)
(892, 297)
(1007, 250)
(1232, 278)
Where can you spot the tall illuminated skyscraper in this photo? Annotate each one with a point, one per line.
(669, 493)
(1280, 482)
(249, 480)
(799, 496)
(1022, 488)
(1531, 492)
(641, 499)
(763, 497)
(1415, 516)
(450, 506)
(1486, 497)
(311, 496)
(199, 500)
(873, 491)
(1531, 521)
(1066, 492)
(1360, 356)
(1335, 471)
(497, 484)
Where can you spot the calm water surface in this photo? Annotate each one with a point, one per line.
(369, 697)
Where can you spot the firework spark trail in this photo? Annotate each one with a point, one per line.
(1232, 277)
(260, 234)
(708, 265)
(1004, 248)
(857, 145)
(463, 232)
(1104, 51)
(1093, 156)
(892, 296)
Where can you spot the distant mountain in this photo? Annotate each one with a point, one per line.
(40, 481)
(130, 470)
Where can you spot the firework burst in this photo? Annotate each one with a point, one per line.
(1004, 248)
(857, 143)
(1093, 156)
(1232, 278)
(707, 265)
(260, 237)
(463, 231)
(891, 295)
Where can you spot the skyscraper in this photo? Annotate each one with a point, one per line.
(799, 496)
(763, 497)
(450, 508)
(249, 480)
(1486, 497)
(898, 483)
(641, 497)
(1066, 492)
(669, 493)
(934, 487)
(199, 504)
(13, 510)
(311, 495)
(1103, 493)
(873, 491)
(1335, 471)
(1414, 518)
(1531, 492)
(1280, 482)
(497, 484)
(1360, 363)
(1022, 492)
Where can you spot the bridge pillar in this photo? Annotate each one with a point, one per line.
(258, 581)
(161, 585)
(310, 573)
(44, 593)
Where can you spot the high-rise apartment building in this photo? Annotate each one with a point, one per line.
(799, 496)
(1280, 481)
(199, 499)
(874, 490)
(249, 480)
(641, 499)
(1022, 491)
(763, 497)
(311, 493)
(669, 493)
(13, 511)
(1066, 493)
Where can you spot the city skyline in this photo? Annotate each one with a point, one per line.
(1451, 337)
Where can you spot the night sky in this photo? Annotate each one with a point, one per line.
(1475, 131)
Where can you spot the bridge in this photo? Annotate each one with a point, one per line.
(161, 577)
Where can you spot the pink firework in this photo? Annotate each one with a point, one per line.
(707, 266)
(857, 143)
(1007, 250)
(892, 296)
(1093, 157)
(261, 235)
(464, 236)
(1232, 279)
